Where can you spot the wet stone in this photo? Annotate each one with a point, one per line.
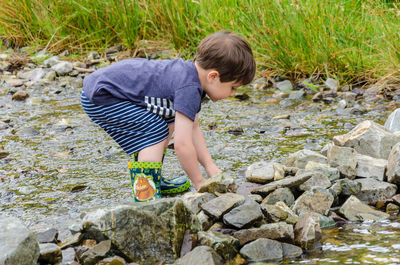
(278, 231)
(15, 82)
(349, 187)
(282, 194)
(262, 249)
(95, 254)
(50, 253)
(225, 245)
(4, 154)
(300, 158)
(370, 167)
(68, 256)
(20, 95)
(290, 251)
(392, 209)
(221, 183)
(284, 183)
(200, 255)
(112, 261)
(307, 231)
(317, 200)
(62, 68)
(373, 190)
(205, 220)
(354, 210)
(72, 241)
(393, 166)
(221, 205)
(243, 215)
(344, 159)
(48, 236)
(323, 169)
(393, 121)
(260, 172)
(284, 86)
(316, 180)
(279, 212)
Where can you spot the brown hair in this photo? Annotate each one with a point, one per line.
(229, 54)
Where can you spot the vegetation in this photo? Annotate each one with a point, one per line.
(353, 40)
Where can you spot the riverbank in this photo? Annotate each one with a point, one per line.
(56, 164)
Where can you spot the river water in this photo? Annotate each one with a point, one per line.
(61, 164)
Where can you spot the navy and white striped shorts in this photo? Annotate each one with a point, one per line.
(131, 126)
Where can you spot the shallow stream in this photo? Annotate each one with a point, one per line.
(61, 164)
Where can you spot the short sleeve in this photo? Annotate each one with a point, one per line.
(188, 100)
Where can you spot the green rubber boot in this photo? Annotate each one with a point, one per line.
(145, 180)
(170, 186)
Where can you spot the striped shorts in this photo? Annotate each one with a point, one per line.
(131, 126)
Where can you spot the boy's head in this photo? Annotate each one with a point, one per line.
(229, 54)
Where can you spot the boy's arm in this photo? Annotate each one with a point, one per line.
(185, 149)
(203, 155)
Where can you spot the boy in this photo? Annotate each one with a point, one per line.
(141, 102)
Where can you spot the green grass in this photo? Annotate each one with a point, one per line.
(352, 40)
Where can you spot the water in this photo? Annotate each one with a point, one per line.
(61, 164)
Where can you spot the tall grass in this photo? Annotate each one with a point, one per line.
(348, 39)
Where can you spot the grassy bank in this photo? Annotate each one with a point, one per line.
(351, 40)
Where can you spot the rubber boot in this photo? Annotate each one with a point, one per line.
(145, 180)
(170, 186)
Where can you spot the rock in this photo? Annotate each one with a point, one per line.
(392, 123)
(370, 167)
(4, 154)
(290, 251)
(50, 76)
(326, 222)
(115, 260)
(317, 200)
(93, 56)
(344, 159)
(255, 197)
(393, 166)
(221, 183)
(262, 249)
(281, 194)
(332, 84)
(307, 231)
(316, 180)
(98, 252)
(204, 220)
(297, 95)
(349, 187)
(323, 169)
(368, 138)
(200, 255)
(194, 200)
(260, 172)
(20, 95)
(37, 74)
(279, 212)
(279, 171)
(302, 157)
(279, 231)
(284, 86)
(62, 68)
(392, 209)
(284, 183)
(354, 210)
(50, 253)
(158, 237)
(243, 215)
(15, 82)
(373, 191)
(48, 236)
(335, 190)
(71, 241)
(18, 246)
(68, 257)
(51, 61)
(225, 245)
(221, 205)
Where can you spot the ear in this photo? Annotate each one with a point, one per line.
(212, 75)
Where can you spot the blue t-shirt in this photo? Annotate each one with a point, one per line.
(160, 86)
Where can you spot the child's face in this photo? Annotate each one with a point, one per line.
(218, 90)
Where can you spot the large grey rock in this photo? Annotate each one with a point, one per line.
(317, 200)
(284, 86)
(51, 61)
(279, 212)
(220, 183)
(287, 182)
(349, 187)
(323, 169)
(18, 246)
(290, 251)
(144, 232)
(194, 200)
(260, 172)
(98, 252)
(200, 255)
(282, 194)
(50, 253)
(393, 121)
(279, 231)
(344, 159)
(48, 236)
(370, 167)
(316, 180)
(369, 138)
(302, 157)
(243, 215)
(221, 205)
(373, 191)
(262, 249)
(332, 84)
(307, 231)
(62, 68)
(225, 245)
(354, 210)
(393, 167)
